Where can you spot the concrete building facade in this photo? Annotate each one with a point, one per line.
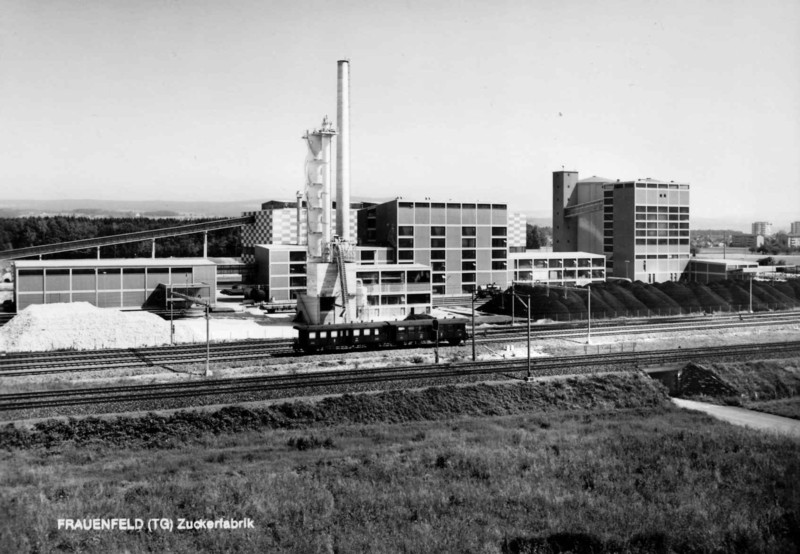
(794, 228)
(641, 226)
(557, 268)
(276, 223)
(131, 283)
(761, 228)
(464, 244)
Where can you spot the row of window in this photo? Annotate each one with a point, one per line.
(661, 233)
(441, 230)
(661, 242)
(662, 209)
(404, 242)
(661, 225)
(558, 262)
(442, 289)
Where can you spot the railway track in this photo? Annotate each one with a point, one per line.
(277, 386)
(643, 327)
(39, 363)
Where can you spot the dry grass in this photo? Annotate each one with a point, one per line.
(640, 479)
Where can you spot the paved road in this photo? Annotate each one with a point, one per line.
(746, 418)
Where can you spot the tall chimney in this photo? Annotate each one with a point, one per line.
(343, 150)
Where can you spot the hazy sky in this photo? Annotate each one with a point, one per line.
(192, 99)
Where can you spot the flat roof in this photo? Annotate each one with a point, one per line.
(535, 254)
(113, 262)
(725, 261)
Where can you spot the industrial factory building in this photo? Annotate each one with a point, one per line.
(715, 269)
(557, 268)
(278, 223)
(464, 244)
(124, 283)
(641, 226)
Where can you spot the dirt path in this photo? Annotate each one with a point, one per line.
(745, 418)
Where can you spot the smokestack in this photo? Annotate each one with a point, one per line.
(343, 150)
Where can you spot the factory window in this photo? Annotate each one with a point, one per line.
(406, 230)
(468, 254)
(499, 243)
(405, 255)
(467, 289)
(391, 299)
(468, 266)
(438, 243)
(405, 243)
(438, 255)
(555, 262)
(498, 254)
(439, 289)
(500, 265)
(297, 281)
(468, 243)
(368, 278)
(367, 255)
(373, 300)
(468, 231)
(484, 206)
(418, 277)
(439, 278)
(438, 266)
(406, 204)
(297, 269)
(297, 256)
(437, 205)
(540, 264)
(467, 277)
(437, 231)
(419, 299)
(499, 231)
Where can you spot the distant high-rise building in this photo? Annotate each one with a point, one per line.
(763, 228)
(795, 228)
(641, 226)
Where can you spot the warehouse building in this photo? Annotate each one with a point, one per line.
(112, 283)
(715, 269)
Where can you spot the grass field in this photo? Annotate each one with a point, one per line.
(786, 407)
(569, 475)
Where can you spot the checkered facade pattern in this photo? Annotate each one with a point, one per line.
(517, 230)
(279, 226)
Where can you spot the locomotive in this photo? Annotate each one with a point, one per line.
(409, 332)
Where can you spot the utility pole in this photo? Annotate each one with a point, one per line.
(751, 294)
(513, 302)
(528, 378)
(473, 326)
(589, 313)
(208, 344)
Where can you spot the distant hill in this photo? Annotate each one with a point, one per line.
(127, 208)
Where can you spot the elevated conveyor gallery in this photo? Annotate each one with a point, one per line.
(125, 238)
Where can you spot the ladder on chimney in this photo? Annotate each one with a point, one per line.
(339, 255)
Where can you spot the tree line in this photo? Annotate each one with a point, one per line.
(22, 232)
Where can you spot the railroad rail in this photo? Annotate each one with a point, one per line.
(277, 386)
(40, 363)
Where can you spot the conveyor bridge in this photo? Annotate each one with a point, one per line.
(139, 236)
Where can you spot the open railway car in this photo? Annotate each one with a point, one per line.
(345, 336)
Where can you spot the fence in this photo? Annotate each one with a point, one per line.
(662, 312)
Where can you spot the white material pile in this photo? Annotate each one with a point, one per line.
(81, 326)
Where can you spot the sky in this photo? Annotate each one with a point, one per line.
(462, 100)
